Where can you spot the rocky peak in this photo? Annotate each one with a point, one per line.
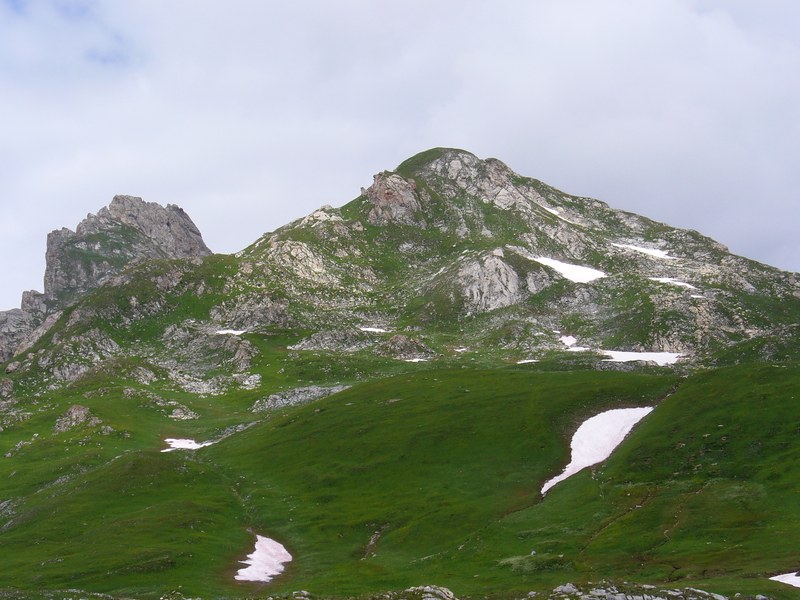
(126, 230)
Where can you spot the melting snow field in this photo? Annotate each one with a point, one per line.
(231, 331)
(526, 361)
(789, 578)
(184, 444)
(374, 329)
(649, 251)
(575, 273)
(660, 358)
(673, 281)
(596, 438)
(265, 562)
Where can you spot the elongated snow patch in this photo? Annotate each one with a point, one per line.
(788, 578)
(673, 281)
(265, 562)
(184, 444)
(374, 329)
(575, 273)
(596, 438)
(660, 358)
(649, 251)
(231, 331)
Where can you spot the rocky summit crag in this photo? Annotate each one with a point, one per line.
(385, 387)
(125, 232)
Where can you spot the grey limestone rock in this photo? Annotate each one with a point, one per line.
(127, 230)
(394, 200)
(489, 283)
(296, 396)
(75, 416)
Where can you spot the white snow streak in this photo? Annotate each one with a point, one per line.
(416, 360)
(575, 273)
(184, 444)
(660, 358)
(596, 438)
(649, 251)
(673, 281)
(374, 329)
(789, 578)
(527, 361)
(231, 331)
(265, 562)
(567, 340)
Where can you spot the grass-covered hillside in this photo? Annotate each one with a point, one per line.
(426, 477)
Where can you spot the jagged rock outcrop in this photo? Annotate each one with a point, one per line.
(127, 230)
(295, 397)
(75, 416)
(489, 283)
(394, 200)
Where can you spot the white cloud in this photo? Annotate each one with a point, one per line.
(250, 114)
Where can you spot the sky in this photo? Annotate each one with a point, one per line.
(252, 113)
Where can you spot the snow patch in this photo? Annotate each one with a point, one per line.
(660, 358)
(184, 444)
(575, 273)
(374, 329)
(460, 350)
(596, 439)
(416, 360)
(567, 340)
(265, 562)
(552, 211)
(673, 281)
(788, 578)
(649, 251)
(526, 361)
(231, 331)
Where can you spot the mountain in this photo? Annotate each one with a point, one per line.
(385, 387)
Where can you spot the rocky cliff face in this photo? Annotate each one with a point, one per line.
(127, 231)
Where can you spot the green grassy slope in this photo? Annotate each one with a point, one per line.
(429, 477)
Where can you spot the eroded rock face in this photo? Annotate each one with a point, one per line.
(295, 397)
(489, 283)
(128, 229)
(14, 326)
(75, 416)
(394, 200)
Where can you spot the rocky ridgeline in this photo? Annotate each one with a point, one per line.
(446, 244)
(127, 231)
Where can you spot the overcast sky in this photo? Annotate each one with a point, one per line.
(251, 113)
